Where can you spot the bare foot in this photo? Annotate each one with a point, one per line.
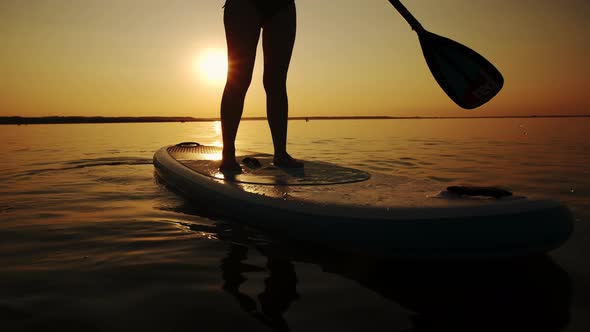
(286, 161)
(230, 166)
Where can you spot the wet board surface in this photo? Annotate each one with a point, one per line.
(349, 208)
(317, 182)
(205, 160)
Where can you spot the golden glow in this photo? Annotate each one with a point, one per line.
(217, 130)
(215, 156)
(108, 65)
(212, 66)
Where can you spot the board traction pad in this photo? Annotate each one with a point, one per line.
(205, 160)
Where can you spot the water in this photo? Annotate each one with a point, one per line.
(90, 240)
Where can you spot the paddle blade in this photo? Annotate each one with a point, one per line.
(467, 78)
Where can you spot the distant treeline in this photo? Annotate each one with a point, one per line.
(18, 120)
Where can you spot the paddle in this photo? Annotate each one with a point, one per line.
(467, 78)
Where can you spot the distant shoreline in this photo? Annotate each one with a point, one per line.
(18, 120)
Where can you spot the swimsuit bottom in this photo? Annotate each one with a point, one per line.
(269, 8)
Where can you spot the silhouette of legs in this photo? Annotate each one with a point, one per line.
(242, 23)
(242, 31)
(278, 39)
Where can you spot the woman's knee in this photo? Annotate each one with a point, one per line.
(275, 85)
(238, 83)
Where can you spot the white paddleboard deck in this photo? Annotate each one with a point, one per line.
(346, 208)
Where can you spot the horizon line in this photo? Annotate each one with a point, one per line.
(20, 120)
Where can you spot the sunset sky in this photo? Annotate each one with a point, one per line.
(352, 57)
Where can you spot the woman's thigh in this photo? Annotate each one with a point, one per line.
(278, 38)
(242, 30)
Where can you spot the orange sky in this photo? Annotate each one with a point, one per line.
(352, 57)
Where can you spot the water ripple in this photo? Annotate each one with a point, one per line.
(86, 163)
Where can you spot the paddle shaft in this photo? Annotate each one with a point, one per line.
(416, 26)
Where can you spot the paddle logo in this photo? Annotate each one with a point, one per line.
(487, 89)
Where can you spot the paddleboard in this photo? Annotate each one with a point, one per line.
(349, 209)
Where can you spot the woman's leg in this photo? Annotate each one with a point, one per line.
(242, 31)
(278, 38)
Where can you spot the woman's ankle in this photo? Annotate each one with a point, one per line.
(285, 160)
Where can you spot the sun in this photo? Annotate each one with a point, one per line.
(211, 66)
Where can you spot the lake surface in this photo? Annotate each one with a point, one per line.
(90, 240)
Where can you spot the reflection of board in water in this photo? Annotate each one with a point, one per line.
(341, 207)
(441, 295)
